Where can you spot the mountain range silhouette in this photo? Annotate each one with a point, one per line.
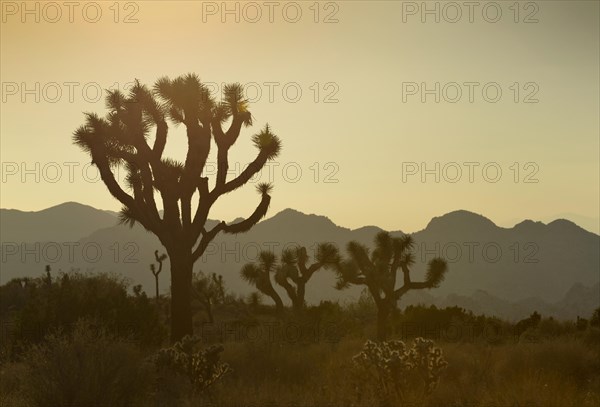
(552, 268)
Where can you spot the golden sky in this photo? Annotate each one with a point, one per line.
(366, 122)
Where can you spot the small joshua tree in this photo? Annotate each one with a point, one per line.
(531, 322)
(595, 320)
(208, 290)
(254, 299)
(294, 273)
(378, 272)
(259, 275)
(397, 371)
(48, 277)
(155, 271)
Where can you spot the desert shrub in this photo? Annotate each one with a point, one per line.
(11, 385)
(551, 328)
(399, 373)
(450, 324)
(202, 367)
(37, 307)
(87, 367)
(331, 320)
(592, 338)
(595, 319)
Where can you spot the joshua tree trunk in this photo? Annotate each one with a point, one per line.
(209, 312)
(156, 281)
(181, 282)
(383, 314)
(301, 292)
(278, 304)
(296, 294)
(276, 299)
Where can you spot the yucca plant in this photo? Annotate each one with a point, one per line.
(378, 271)
(123, 139)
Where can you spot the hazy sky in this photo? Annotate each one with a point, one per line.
(357, 159)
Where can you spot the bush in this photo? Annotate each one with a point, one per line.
(203, 367)
(399, 373)
(88, 367)
(38, 306)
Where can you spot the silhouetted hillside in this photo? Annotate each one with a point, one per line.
(494, 269)
(69, 221)
(578, 301)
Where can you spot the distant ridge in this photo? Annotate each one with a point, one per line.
(69, 221)
(527, 264)
(460, 218)
(446, 221)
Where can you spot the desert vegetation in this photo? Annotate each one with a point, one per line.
(78, 339)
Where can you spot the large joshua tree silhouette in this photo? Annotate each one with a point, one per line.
(378, 271)
(259, 275)
(124, 139)
(294, 272)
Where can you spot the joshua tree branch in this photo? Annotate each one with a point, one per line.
(115, 189)
(257, 215)
(233, 228)
(252, 168)
(198, 149)
(410, 286)
(291, 291)
(224, 142)
(160, 139)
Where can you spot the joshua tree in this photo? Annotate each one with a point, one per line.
(581, 323)
(532, 321)
(595, 320)
(155, 271)
(294, 273)
(378, 272)
(123, 139)
(259, 275)
(254, 299)
(48, 277)
(209, 290)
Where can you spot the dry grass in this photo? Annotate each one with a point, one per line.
(559, 372)
(553, 371)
